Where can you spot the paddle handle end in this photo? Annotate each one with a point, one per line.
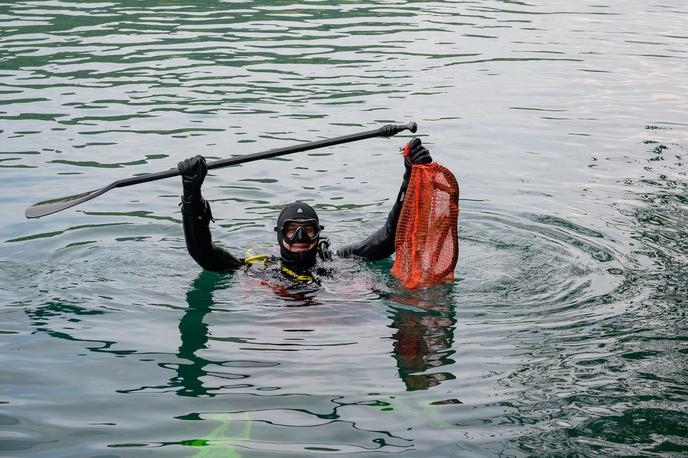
(392, 129)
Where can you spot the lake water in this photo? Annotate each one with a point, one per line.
(566, 124)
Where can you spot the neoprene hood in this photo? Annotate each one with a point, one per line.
(298, 211)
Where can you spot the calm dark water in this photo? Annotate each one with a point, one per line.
(564, 333)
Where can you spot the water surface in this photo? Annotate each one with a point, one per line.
(564, 332)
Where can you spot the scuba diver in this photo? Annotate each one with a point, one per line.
(302, 247)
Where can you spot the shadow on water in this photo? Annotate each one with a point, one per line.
(423, 341)
(424, 322)
(418, 345)
(194, 335)
(423, 337)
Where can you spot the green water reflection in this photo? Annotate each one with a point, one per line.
(422, 341)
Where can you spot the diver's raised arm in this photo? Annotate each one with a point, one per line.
(196, 216)
(381, 243)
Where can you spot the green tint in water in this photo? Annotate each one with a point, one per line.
(218, 443)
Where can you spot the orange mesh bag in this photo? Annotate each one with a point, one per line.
(426, 243)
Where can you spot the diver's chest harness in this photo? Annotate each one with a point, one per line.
(268, 261)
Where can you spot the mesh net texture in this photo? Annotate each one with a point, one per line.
(426, 243)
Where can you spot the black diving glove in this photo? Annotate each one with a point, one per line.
(417, 154)
(193, 171)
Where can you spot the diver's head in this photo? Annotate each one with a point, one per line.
(298, 232)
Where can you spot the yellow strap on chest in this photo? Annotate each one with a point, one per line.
(296, 276)
(263, 259)
(257, 259)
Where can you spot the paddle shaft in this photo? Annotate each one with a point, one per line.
(385, 131)
(51, 206)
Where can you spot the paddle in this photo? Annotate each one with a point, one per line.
(48, 207)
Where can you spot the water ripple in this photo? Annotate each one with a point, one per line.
(565, 329)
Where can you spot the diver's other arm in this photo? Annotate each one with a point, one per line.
(196, 216)
(381, 243)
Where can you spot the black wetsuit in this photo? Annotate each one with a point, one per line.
(210, 256)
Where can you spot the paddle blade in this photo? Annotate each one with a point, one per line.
(48, 207)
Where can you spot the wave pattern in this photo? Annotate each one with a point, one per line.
(565, 329)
